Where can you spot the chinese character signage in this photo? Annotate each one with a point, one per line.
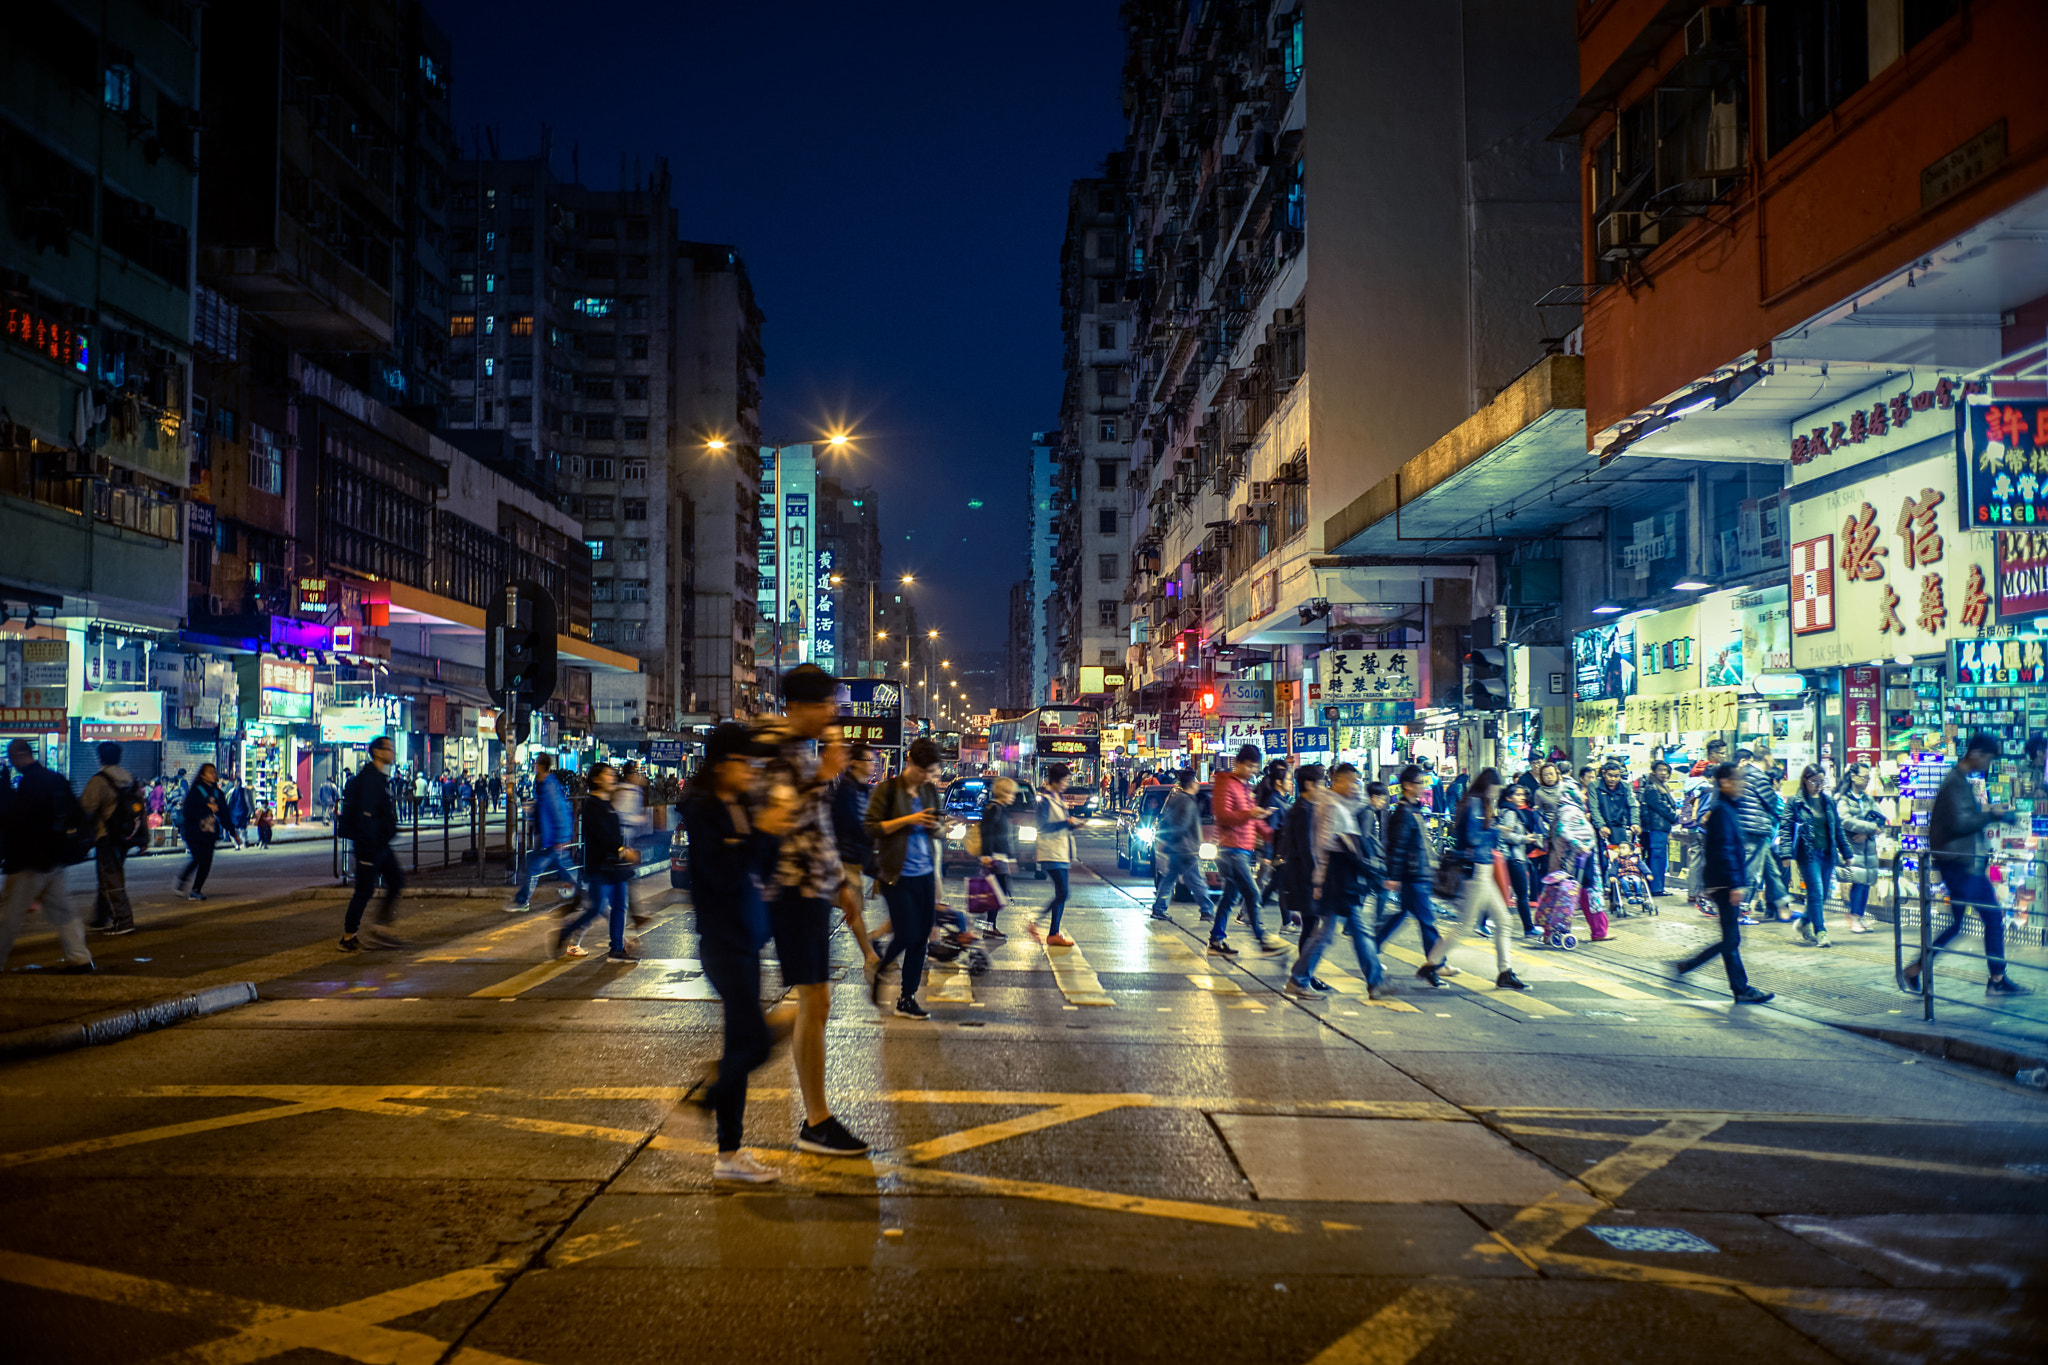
(1668, 652)
(1366, 675)
(1904, 581)
(825, 625)
(2002, 462)
(1999, 662)
(1603, 663)
(2022, 577)
(1862, 730)
(316, 596)
(1813, 585)
(34, 674)
(1872, 423)
(870, 712)
(121, 716)
(1370, 713)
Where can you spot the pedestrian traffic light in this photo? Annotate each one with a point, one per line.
(1208, 700)
(519, 646)
(1486, 679)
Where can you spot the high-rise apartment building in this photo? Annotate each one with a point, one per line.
(1041, 563)
(849, 575)
(1093, 560)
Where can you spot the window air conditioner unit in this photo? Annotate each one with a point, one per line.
(1262, 495)
(1626, 235)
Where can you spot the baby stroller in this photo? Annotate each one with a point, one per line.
(1629, 889)
(1557, 909)
(956, 942)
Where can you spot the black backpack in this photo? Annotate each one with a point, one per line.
(128, 821)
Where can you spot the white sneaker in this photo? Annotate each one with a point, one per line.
(1273, 943)
(741, 1167)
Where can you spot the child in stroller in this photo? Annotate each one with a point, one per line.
(1629, 892)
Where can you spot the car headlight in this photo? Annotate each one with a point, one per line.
(1029, 834)
(1144, 836)
(1208, 850)
(957, 832)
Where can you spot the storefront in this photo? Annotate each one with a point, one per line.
(34, 704)
(277, 699)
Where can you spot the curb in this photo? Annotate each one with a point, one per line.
(1968, 1051)
(111, 1026)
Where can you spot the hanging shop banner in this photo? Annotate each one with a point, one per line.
(1594, 719)
(2022, 561)
(870, 712)
(282, 692)
(1902, 584)
(1369, 713)
(1312, 739)
(1702, 708)
(2019, 660)
(121, 716)
(1813, 586)
(1273, 741)
(34, 676)
(2002, 462)
(1668, 652)
(1861, 728)
(1367, 674)
(351, 724)
(1603, 663)
(1244, 699)
(1869, 424)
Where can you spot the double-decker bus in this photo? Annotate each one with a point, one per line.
(1022, 749)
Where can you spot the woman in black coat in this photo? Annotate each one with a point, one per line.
(200, 819)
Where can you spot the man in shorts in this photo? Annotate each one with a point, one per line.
(808, 875)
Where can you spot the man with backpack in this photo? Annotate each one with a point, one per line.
(40, 828)
(369, 819)
(116, 812)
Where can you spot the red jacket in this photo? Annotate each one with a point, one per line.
(1239, 822)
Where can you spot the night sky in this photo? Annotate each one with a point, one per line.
(895, 176)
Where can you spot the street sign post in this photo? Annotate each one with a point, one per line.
(519, 671)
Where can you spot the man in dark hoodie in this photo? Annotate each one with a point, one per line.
(33, 817)
(370, 821)
(1955, 836)
(1724, 846)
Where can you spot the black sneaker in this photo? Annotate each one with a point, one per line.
(1508, 981)
(351, 944)
(908, 1008)
(76, 969)
(1428, 972)
(1750, 995)
(1221, 947)
(2005, 985)
(829, 1138)
(622, 955)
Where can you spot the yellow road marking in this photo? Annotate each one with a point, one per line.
(1195, 966)
(970, 1138)
(173, 1130)
(948, 983)
(531, 977)
(1399, 1332)
(490, 940)
(1753, 1149)
(1075, 978)
(1354, 988)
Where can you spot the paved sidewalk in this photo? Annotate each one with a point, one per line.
(1852, 984)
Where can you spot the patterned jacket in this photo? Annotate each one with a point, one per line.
(808, 864)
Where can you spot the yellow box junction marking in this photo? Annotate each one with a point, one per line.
(1075, 978)
(1533, 1006)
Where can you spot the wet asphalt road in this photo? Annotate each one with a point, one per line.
(1127, 1150)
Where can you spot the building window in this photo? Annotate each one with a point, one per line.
(1105, 337)
(633, 590)
(632, 632)
(465, 281)
(636, 549)
(599, 549)
(636, 509)
(595, 305)
(601, 589)
(1105, 246)
(1105, 614)
(520, 367)
(490, 366)
(522, 324)
(462, 324)
(119, 88)
(636, 428)
(1105, 521)
(636, 348)
(601, 632)
(266, 461)
(598, 428)
(490, 284)
(597, 509)
(1105, 474)
(596, 387)
(634, 386)
(636, 267)
(522, 409)
(1105, 568)
(490, 324)
(1107, 429)
(1105, 291)
(1106, 382)
(601, 467)
(636, 469)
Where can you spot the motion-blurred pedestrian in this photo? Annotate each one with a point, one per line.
(201, 817)
(35, 817)
(109, 801)
(369, 819)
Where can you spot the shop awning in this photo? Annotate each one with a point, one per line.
(455, 630)
(1516, 469)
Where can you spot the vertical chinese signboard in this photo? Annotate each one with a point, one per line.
(1813, 585)
(825, 610)
(1861, 729)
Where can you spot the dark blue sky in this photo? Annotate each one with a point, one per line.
(895, 175)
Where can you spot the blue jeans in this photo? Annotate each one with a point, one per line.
(1859, 898)
(1327, 914)
(1974, 888)
(606, 898)
(559, 861)
(1766, 874)
(1415, 901)
(1820, 875)
(1181, 870)
(1235, 865)
(1058, 873)
(1656, 857)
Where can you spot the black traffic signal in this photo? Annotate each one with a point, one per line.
(1486, 679)
(519, 646)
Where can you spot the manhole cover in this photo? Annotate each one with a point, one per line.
(1652, 1239)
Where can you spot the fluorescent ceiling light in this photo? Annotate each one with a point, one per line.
(1690, 585)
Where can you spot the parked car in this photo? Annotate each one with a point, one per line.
(1137, 830)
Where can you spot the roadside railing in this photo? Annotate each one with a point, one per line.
(1989, 921)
